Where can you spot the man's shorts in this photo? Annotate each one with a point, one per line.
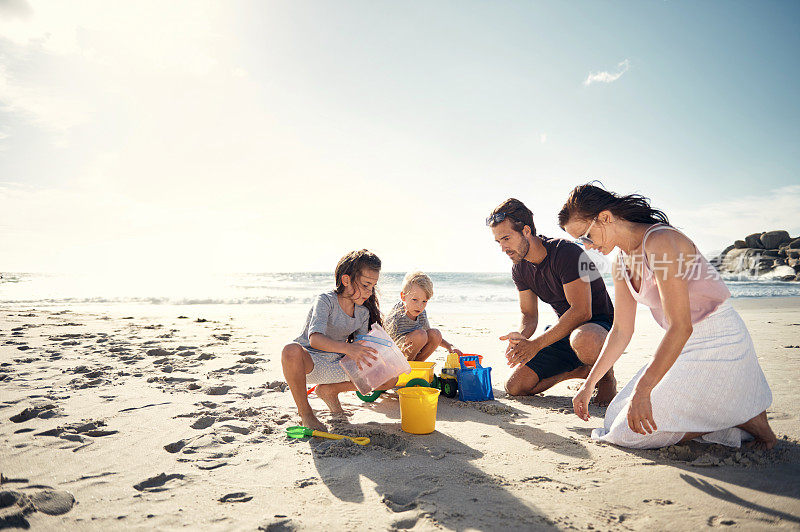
(559, 357)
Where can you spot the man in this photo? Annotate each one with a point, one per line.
(558, 272)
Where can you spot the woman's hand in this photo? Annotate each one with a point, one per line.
(361, 354)
(580, 403)
(640, 412)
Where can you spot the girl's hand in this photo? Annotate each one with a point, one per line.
(580, 403)
(640, 413)
(361, 354)
(457, 351)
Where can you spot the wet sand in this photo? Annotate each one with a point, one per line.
(167, 417)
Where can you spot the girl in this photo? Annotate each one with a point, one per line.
(334, 319)
(704, 379)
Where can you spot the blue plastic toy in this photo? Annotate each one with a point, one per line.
(474, 384)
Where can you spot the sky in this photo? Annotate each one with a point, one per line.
(276, 136)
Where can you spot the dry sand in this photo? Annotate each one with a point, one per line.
(150, 420)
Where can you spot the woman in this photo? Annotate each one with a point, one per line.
(704, 380)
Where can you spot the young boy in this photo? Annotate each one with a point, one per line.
(407, 322)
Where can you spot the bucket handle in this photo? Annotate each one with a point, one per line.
(470, 358)
(373, 339)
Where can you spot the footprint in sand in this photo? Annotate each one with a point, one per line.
(401, 500)
(218, 390)
(15, 505)
(238, 429)
(716, 520)
(52, 502)
(660, 502)
(238, 496)
(176, 446)
(44, 411)
(208, 465)
(203, 422)
(158, 353)
(157, 483)
(406, 522)
(278, 524)
(82, 428)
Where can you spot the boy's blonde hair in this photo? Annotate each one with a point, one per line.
(419, 279)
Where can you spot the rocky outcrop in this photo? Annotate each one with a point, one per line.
(774, 239)
(772, 254)
(754, 241)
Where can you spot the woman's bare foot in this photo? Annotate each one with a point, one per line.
(310, 420)
(606, 389)
(330, 394)
(759, 427)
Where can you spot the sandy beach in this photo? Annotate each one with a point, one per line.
(163, 417)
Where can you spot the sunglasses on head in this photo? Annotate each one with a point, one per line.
(498, 217)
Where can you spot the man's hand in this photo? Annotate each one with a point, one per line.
(362, 354)
(521, 352)
(513, 337)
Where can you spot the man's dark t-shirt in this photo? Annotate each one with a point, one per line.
(562, 265)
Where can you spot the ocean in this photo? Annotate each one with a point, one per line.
(454, 292)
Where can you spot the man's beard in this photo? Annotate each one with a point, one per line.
(520, 254)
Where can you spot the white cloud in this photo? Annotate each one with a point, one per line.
(608, 77)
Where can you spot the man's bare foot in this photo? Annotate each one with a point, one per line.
(310, 420)
(759, 427)
(329, 394)
(606, 389)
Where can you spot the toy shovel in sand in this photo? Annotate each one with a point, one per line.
(302, 432)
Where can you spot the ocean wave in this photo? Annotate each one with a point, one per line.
(462, 289)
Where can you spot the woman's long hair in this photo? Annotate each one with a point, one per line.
(587, 201)
(352, 265)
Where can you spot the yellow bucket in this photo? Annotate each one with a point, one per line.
(418, 409)
(419, 370)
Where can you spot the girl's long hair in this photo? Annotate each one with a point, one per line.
(587, 201)
(352, 265)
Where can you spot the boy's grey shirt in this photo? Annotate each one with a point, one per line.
(327, 317)
(398, 323)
